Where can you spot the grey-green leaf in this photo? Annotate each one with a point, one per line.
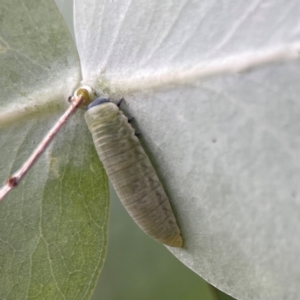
(225, 141)
(53, 226)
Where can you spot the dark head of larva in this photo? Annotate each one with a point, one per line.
(96, 102)
(101, 110)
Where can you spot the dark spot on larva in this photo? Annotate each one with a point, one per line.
(213, 140)
(165, 208)
(120, 102)
(130, 119)
(294, 194)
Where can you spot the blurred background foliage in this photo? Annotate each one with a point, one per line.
(139, 268)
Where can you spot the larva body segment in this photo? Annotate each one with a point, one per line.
(131, 172)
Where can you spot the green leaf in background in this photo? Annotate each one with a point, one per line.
(53, 227)
(214, 88)
(137, 267)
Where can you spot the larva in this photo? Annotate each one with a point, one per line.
(131, 172)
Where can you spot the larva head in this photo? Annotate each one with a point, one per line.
(99, 110)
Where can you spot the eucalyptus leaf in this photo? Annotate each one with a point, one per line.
(214, 90)
(53, 226)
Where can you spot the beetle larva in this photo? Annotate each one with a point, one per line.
(131, 172)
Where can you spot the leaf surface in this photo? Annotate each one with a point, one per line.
(214, 90)
(53, 225)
